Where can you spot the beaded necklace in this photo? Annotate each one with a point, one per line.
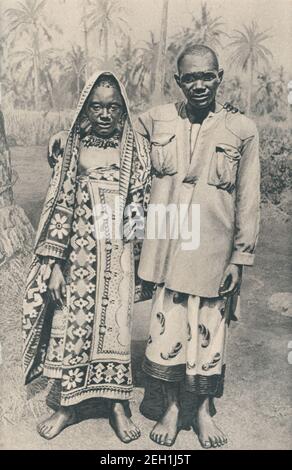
(102, 142)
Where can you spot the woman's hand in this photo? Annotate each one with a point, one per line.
(57, 285)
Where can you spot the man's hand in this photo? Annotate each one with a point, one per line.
(85, 126)
(56, 147)
(231, 109)
(57, 285)
(231, 280)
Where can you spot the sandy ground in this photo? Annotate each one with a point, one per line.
(255, 412)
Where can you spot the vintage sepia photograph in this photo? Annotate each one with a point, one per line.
(145, 225)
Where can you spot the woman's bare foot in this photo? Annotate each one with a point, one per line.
(204, 426)
(167, 429)
(122, 424)
(60, 420)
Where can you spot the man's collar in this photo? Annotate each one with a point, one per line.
(182, 111)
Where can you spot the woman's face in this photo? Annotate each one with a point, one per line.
(104, 109)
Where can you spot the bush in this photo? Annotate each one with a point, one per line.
(28, 128)
(276, 163)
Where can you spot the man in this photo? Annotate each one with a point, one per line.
(202, 155)
(80, 290)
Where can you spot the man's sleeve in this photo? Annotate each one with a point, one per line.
(247, 203)
(144, 125)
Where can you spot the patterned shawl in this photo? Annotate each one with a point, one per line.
(57, 214)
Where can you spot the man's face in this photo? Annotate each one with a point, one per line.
(104, 109)
(199, 80)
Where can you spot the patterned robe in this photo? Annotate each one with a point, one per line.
(92, 368)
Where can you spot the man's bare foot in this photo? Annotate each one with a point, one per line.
(167, 429)
(122, 424)
(209, 434)
(60, 420)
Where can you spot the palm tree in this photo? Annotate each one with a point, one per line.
(85, 31)
(204, 29)
(144, 60)
(135, 68)
(124, 60)
(248, 51)
(129, 66)
(270, 92)
(85, 35)
(208, 30)
(161, 59)
(22, 64)
(75, 65)
(105, 17)
(27, 17)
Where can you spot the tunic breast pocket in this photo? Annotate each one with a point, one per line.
(163, 148)
(224, 167)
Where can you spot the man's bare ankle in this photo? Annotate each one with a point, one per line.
(118, 408)
(174, 408)
(204, 407)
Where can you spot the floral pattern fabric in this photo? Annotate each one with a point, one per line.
(89, 346)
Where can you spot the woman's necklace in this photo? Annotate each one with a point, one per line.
(102, 142)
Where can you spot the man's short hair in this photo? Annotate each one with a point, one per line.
(200, 50)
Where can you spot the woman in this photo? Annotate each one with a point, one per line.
(80, 290)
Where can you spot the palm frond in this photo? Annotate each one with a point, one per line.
(247, 46)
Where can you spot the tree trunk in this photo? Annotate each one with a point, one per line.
(50, 90)
(36, 85)
(106, 48)
(85, 34)
(78, 85)
(250, 88)
(161, 59)
(16, 232)
(36, 70)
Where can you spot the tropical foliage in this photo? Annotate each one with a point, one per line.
(276, 166)
(248, 52)
(27, 24)
(39, 76)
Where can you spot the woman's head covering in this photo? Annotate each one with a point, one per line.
(89, 86)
